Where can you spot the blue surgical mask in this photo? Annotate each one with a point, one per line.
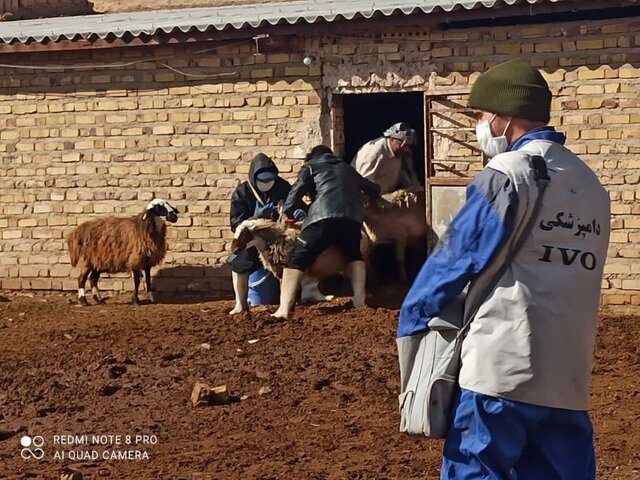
(265, 186)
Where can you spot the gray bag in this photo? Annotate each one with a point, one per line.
(430, 361)
(428, 374)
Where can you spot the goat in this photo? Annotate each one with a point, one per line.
(399, 218)
(115, 245)
(274, 242)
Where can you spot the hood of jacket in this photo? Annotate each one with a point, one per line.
(261, 163)
(326, 158)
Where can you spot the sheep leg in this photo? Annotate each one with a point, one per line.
(310, 293)
(93, 278)
(136, 286)
(82, 280)
(401, 251)
(147, 277)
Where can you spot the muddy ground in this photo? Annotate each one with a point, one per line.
(329, 411)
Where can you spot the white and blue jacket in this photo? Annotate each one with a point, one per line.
(542, 312)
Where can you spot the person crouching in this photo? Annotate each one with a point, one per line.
(257, 197)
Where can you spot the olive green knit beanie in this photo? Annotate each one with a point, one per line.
(513, 89)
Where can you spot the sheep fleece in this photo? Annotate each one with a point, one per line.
(118, 244)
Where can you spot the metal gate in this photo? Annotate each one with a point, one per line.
(452, 157)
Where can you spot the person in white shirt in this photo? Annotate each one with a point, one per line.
(387, 160)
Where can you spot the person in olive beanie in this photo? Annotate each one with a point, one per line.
(522, 407)
(513, 89)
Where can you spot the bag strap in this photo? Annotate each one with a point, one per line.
(541, 175)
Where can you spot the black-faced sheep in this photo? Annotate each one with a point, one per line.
(115, 245)
(399, 218)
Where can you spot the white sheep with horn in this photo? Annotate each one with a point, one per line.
(274, 242)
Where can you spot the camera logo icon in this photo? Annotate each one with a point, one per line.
(32, 447)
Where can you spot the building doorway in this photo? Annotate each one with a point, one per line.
(367, 116)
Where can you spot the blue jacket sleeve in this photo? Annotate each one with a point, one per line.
(475, 234)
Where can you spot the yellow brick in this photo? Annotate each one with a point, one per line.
(22, 109)
(278, 58)
(116, 118)
(9, 135)
(245, 142)
(243, 87)
(85, 170)
(548, 47)
(297, 71)
(178, 117)
(590, 89)
(11, 234)
(262, 73)
(199, 233)
(85, 119)
(106, 105)
(70, 157)
(84, 144)
(590, 74)
(631, 284)
(39, 133)
(277, 113)
(616, 119)
(244, 115)
(69, 132)
(28, 222)
(102, 208)
(213, 142)
(210, 117)
(595, 44)
(632, 223)
(179, 168)
(179, 91)
(227, 129)
(629, 72)
(163, 130)
(441, 52)
(229, 155)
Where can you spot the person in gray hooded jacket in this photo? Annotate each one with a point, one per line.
(334, 218)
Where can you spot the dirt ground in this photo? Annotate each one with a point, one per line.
(329, 409)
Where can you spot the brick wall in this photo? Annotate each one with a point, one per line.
(593, 69)
(24, 9)
(98, 142)
(89, 143)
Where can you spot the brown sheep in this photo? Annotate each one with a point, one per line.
(399, 218)
(115, 245)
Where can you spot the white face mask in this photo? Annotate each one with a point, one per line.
(265, 186)
(489, 144)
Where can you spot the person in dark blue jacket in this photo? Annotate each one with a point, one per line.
(257, 197)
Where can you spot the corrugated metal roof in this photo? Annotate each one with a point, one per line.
(220, 18)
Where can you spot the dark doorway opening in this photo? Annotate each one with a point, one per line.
(367, 116)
